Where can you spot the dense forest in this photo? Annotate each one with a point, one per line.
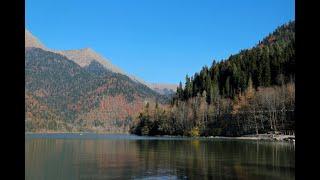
(251, 92)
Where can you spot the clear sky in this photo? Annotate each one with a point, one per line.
(157, 40)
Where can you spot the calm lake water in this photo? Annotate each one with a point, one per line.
(92, 156)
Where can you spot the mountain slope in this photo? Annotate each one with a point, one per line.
(270, 62)
(85, 56)
(251, 92)
(61, 95)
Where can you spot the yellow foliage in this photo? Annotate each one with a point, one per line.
(195, 132)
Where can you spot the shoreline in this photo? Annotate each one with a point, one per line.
(63, 132)
(268, 137)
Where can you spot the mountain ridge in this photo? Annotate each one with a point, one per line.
(82, 56)
(32, 41)
(80, 90)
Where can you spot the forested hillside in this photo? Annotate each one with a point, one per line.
(250, 92)
(271, 62)
(63, 96)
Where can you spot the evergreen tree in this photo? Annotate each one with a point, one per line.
(180, 91)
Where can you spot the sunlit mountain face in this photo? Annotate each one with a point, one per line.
(79, 90)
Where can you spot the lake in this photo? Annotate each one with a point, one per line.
(97, 156)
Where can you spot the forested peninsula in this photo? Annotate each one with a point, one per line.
(249, 93)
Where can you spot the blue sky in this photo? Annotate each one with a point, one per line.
(157, 40)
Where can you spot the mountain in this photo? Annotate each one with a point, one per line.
(62, 95)
(164, 89)
(31, 41)
(82, 57)
(85, 56)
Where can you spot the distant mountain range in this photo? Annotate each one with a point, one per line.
(165, 89)
(79, 90)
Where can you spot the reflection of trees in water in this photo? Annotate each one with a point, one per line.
(127, 159)
(218, 159)
(109, 158)
(46, 159)
(80, 159)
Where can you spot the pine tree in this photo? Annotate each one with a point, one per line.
(180, 91)
(227, 87)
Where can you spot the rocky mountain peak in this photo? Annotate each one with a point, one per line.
(32, 41)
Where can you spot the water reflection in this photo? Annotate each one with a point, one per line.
(158, 159)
